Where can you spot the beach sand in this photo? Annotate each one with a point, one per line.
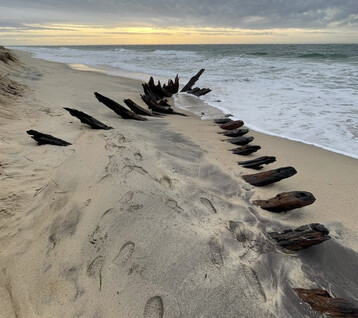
(135, 221)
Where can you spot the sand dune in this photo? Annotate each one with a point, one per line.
(150, 219)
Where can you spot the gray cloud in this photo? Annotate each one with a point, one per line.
(253, 14)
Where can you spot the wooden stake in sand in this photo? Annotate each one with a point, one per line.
(286, 201)
(192, 81)
(321, 301)
(234, 124)
(258, 162)
(87, 119)
(245, 150)
(43, 139)
(117, 108)
(301, 237)
(268, 177)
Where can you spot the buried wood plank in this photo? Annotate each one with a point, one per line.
(245, 150)
(286, 201)
(301, 237)
(222, 121)
(172, 86)
(235, 132)
(138, 109)
(192, 81)
(241, 141)
(117, 108)
(232, 125)
(258, 162)
(43, 139)
(87, 119)
(268, 177)
(321, 301)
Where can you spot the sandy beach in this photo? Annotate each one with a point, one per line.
(137, 221)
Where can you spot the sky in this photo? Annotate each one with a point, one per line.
(83, 22)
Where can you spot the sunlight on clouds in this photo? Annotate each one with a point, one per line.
(71, 34)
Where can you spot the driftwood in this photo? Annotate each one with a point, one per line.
(43, 139)
(172, 86)
(268, 177)
(321, 301)
(235, 132)
(241, 141)
(164, 102)
(153, 105)
(158, 91)
(117, 108)
(199, 91)
(192, 81)
(87, 119)
(222, 120)
(258, 162)
(286, 201)
(245, 150)
(149, 93)
(138, 109)
(302, 237)
(232, 125)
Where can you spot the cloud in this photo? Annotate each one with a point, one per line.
(253, 14)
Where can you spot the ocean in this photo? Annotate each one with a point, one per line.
(307, 93)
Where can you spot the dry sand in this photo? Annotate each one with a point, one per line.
(134, 221)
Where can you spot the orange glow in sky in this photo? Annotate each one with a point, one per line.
(68, 34)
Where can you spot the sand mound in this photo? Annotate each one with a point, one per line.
(6, 56)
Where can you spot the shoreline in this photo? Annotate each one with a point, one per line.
(139, 216)
(137, 75)
(204, 105)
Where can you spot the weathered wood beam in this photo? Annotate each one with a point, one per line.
(43, 139)
(173, 86)
(232, 125)
(118, 109)
(258, 162)
(286, 201)
(245, 150)
(153, 105)
(138, 109)
(221, 121)
(192, 81)
(202, 92)
(193, 91)
(322, 302)
(301, 237)
(235, 132)
(164, 102)
(87, 119)
(269, 177)
(241, 141)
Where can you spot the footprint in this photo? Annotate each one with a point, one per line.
(95, 266)
(215, 250)
(135, 207)
(129, 169)
(255, 288)
(166, 182)
(208, 205)
(238, 229)
(98, 235)
(112, 143)
(127, 197)
(124, 254)
(154, 308)
(173, 205)
(140, 170)
(138, 156)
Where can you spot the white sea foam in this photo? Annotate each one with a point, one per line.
(304, 93)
